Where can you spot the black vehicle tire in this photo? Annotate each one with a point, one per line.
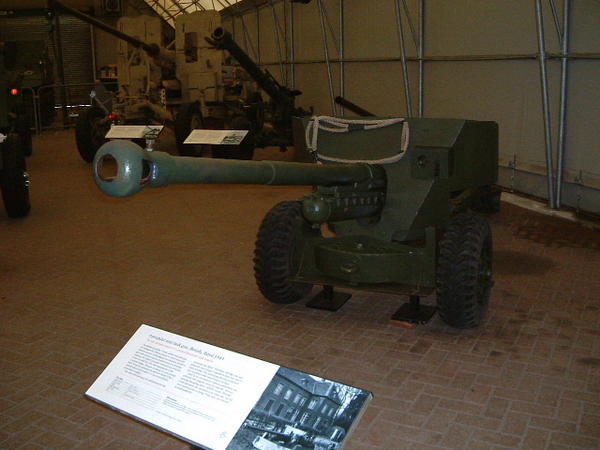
(90, 131)
(23, 129)
(245, 149)
(275, 250)
(487, 201)
(464, 273)
(14, 178)
(188, 118)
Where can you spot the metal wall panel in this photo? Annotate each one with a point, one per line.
(507, 91)
(76, 47)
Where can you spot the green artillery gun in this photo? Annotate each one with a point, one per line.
(14, 143)
(397, 194)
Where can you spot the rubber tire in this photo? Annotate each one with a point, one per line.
(275, 246)
(488, 200)
(86, 134)
(245, 150)
(183, 127)
(23, 129)
(13, 178)
(464, 273)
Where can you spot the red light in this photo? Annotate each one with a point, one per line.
(112, 116)
(14, 91)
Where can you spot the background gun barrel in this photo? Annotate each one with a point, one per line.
(353, 107)
(152, 49)
(223, 40)
(138, 168)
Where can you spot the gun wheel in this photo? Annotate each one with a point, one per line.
(278, 237)
(464, 275)
(23, 129)
(90, 130)
(14, 178)
(188, 118)
(487, 200)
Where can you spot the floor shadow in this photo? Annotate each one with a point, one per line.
(508, 262)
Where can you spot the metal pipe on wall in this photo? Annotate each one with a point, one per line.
(421, 50)
(545, 103)
(564, 65)
(341, 57)
(292, 47)
(403, 59)
(258, 35)
(276, 29)
(326, 52)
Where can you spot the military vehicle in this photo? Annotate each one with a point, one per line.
(398, 195)
(15, 138)
(195, 86)
(270, 123)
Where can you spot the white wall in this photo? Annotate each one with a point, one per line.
(507, 91)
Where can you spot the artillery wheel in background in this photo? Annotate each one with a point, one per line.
(14, 179)
(23, 129)
(487, 200)
(276, 245)
(90, 130)
(188, 118)
(464, 275)
(245, 150)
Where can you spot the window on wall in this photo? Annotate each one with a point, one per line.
(279, 409)
(297, 398)
(268, 405)
(289, 413)
(305, 418)
(278, 389)
(288, 394)
(302, 401)
(312, 404)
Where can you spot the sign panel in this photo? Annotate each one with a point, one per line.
(216, 137)
(134, 131)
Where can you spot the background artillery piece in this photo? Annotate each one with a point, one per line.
(400, 207)
(191, 87)
(15, 143)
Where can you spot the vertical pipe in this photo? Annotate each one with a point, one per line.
(341, 54)
(421, 50)
(258, 35)
(61, 66)
(563, 102)
(403, 59)
(326, 52)
(292, 47)
(545, 103)
(93, 51)
(276, 29)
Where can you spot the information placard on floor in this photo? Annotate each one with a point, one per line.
(219, 399)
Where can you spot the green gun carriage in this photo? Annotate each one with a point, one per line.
(397, 194)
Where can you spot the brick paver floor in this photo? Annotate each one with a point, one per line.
(84, 271)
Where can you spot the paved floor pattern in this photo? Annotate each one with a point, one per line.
(83, 271)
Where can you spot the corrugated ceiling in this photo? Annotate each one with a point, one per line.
(169, 9)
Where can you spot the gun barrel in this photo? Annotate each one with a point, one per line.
(137, 168)
(353, 107)
(223, 40)
(152, 49)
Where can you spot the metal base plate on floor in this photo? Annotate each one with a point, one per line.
(328, 299)
(411, 314)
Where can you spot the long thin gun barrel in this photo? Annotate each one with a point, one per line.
(222, 39)
(353, 107)
(137, 168)
(152, 49)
